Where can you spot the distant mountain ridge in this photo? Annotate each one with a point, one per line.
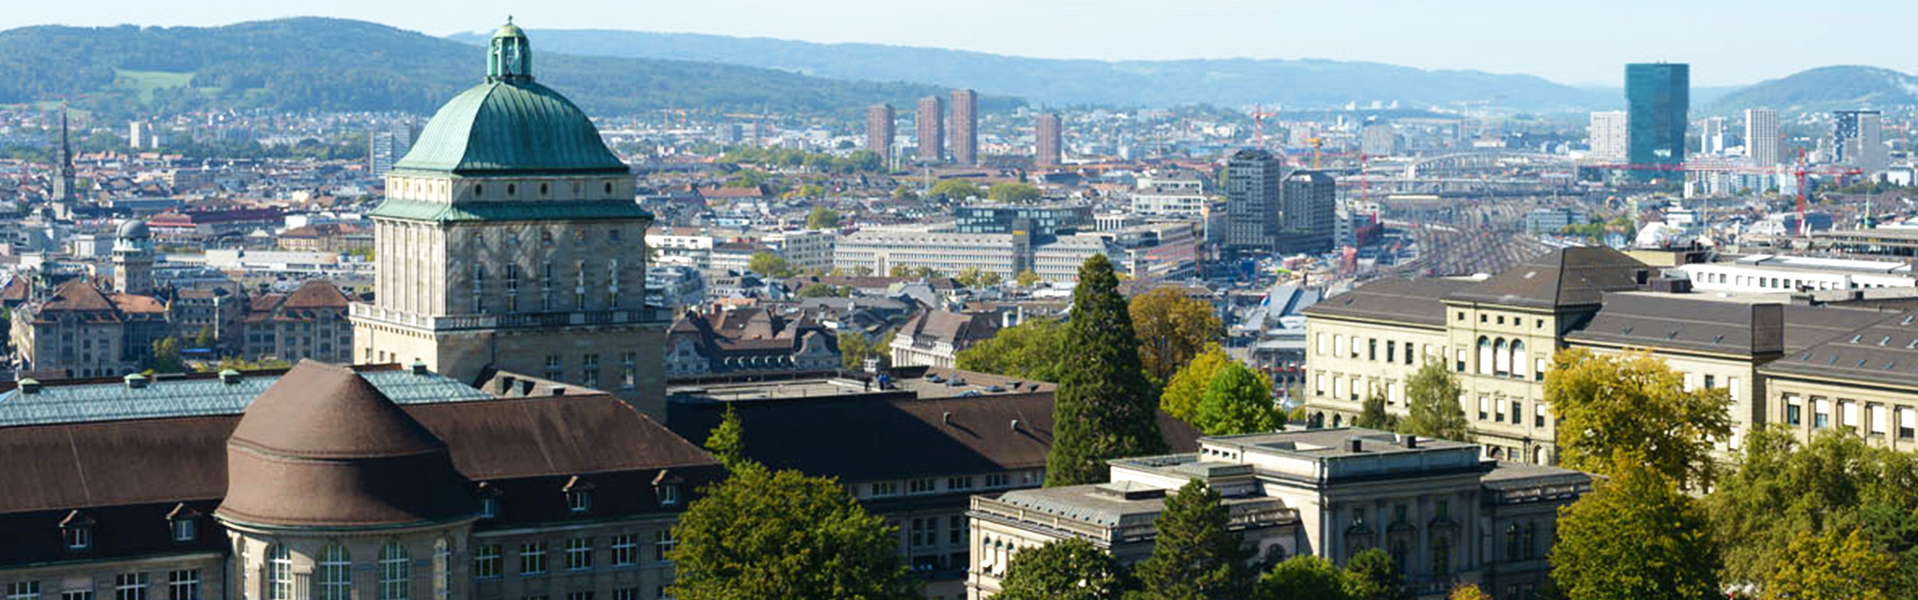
(1308, 83)
(319, 64)
(1824, 89)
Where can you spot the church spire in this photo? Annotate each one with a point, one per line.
(510, 57)
(63, 163)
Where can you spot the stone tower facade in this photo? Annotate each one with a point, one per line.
(133, 258)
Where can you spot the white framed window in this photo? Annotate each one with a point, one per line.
(184, 529)
(579, 501)
(921, 486)
(1848, 413)
(183, 584)
(396, 572)
(1875, 419)
(1907, 422)
(130, 586)
(1320, 342)
(532, 558)
(625, 550)
(442, 569)
(76, 595)
(486, 561)
(669, 495)
(579, 554)
(335, 573)
(279, 572)
(663, 545)
(23, 590)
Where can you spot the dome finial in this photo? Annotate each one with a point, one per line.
(510, 59)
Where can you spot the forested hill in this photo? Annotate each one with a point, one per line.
(315, 64)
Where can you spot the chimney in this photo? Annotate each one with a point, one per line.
(29, 386)
(229, 376)
(1409, 441)
(135, 381)
(418, 367)
(1355, 445)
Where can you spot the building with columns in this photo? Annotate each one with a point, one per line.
(510, 240)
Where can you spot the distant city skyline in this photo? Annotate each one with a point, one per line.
(1575, 42)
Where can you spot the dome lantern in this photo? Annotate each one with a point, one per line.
(510, 57)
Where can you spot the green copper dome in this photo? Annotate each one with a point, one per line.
(510, 126)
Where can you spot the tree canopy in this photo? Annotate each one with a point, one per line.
(1237, 400)
(1068, 569)
(1014, 192)
(1302, 576)
(1432, 405)
(1187, 387)
(955, 189)
(1372, 575)
(972, 277)
(1635, 403)
(1834, 566)
(166, 356)
(1635, 536)
(764, 534)
(770, 265)
(1032, 350)
(822, 218)
(727, 441)
(1103, 408)
(1194, 556)
(1372, 415)
(1172, 328)
(1026, 279)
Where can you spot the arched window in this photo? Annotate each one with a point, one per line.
(336, 573)
(1518, 359)
(279, 572)
(396, 572)
(1502, 354)
(1484, 355)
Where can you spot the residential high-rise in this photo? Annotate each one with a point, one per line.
(1712, 139)
(879, 131)
(965, 127)
(386, 144)
(509, 241)
(1378, 139)
(1309, 203)
(932, 129)
(137, 134)
(1761, 136)
(1858, 138)
(1658, 98)
(1047, 140)
(1607, 135)
(1253, 183)
(63, 165)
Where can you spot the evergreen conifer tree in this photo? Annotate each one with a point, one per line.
(1104, 407)
(1194, 557)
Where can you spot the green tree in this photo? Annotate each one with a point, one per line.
(242, 365)
(1468, 592)
(854, 349)
(1103, 408)
(204, 339)
(1014, 192)
(1371, 575)
(166, 356)
(1194, 556)
(1432, 408)
(972, 277)
(821, 290)
(904, 193)
(1026, 279)
(862, 271)
(1032, 350)
(1372, 415)
(1187, 387)
(770, 265)
(955, 189)
(764, 534)
(1635, 536)
(727, 441)
(1634, 403)
(822, 218)
(1300, 577)
(1834, 566)
(1172, 328)
(1068, 569)
(810, 190)
(1835, 481)
(1237, 400)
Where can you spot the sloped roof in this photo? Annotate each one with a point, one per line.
(77, 294)
(316, 293)
(505, 128)
(1577, 276)
(1650, 320)
(955, 328)
(1883, 352)
(1406, 300)
(322, 411)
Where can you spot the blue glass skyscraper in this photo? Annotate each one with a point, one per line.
(1657, 96)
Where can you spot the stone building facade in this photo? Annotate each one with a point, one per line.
(509, 240)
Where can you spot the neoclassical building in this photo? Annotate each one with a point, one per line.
(334, 483)
(509, 240)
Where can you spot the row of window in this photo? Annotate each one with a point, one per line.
(477, 280)
(1495, 409)
(183, 584)
(930, 485)
(1338, 344)
(589, 369)
(924, 531)
(76, 532)
(1877, 418)
(333, 572)
(631, 593)
(623, 550)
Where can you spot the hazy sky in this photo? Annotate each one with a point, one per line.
(1727, 42)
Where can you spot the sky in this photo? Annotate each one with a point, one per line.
(1581, 42)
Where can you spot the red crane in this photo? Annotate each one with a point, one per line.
(1258, 125)
(1799, 171)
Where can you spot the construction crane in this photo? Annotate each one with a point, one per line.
(1799, 171)
(1258, 125)
(1317, 144)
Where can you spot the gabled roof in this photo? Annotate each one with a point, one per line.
(1883, 352)
(1406, 300)
(1566, 277)
(316, 293)
(958, 329)
(1669, 321)
(77, 295)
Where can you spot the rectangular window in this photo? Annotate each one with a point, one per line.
(486, 561)
(1318, 384)
(1319, 341)
(625, 550)
(956, 530)
(579, 596)
(1538, 414)
(631, 593)
(1875, 419)
(1371, 349)
(76, 595)
(554, 368)
(1338, 345)
(959, 483)
(130, 586)
(883, 488)
(184, 530)
(925, 531)
(23, 590)
(1711, 381)
(1484, 406)
(996, 480)
(1391, 351)
(663, 544)
(920, 486)
(1907, 422)
(183, 584)
(1848, 414)
(1518, 412)
(629, 371)
(579, 554)
(669, 495)
(532, 558)
(589, 371)
(1821, 413)
(1731, 385)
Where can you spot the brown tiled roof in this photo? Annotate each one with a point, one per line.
(959, 329)
(16, 290)
(1577, 276)
(1405, 300)
(137, 304)
(322, 447)
(862, 439)
(77, 294)
(317, 294)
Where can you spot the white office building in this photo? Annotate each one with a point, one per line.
(1608, 135)
(1761, 136)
